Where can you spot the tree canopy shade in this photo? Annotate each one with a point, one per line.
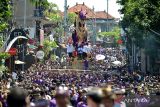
(5, 13)
(141, 20)
(145, 14)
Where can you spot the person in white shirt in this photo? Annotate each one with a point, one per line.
(85, 50)
(89, 48)
(14, 75)
(70, 50)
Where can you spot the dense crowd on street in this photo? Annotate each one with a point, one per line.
(42, 86)
(69, 60)
(111, 55)
(49, 86)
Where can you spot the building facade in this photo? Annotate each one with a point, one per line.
(23, 13)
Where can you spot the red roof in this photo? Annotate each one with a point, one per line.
(90, 12)
(79, 7)
(103, 15)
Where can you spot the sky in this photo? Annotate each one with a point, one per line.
(99, 5)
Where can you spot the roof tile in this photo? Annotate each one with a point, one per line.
(90, 12)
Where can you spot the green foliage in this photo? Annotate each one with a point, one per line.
(71, 18)
(141, 20)
(115, 33)
(48, 46)
(145, 14)
(4, 55)
(3, 26)
(3, 68)
(53, 13)
(53, 8)
(1, 42)
(53, 57)
(43, 3)
(140, 16)
(5, 13)
(54, 17)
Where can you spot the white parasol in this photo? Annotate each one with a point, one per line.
(18, 62)
(100, 57)
(116, 63)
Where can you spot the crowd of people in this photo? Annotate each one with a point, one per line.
(89, 62)
(46, 84)
(87, 54)
(111, 55)
(42, 86)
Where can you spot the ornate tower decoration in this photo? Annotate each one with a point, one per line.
(79, 36)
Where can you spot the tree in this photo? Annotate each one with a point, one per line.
(53, 13)
(5, 13)
(71, 18)
(56, 16)
(144, 14)
(141, 20)
(42, 5)
(48, 46)
(115, 33)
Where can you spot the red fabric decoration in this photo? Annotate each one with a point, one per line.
(40, 47)
(31, 41)
(74, 53)
(12, 51)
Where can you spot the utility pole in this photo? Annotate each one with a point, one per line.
(65, 17)
(107, 17)
(133, 54)
(94, 28)
(23, 49)
(25, 10)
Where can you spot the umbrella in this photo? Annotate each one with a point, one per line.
(18, 62)
(100, 57)
(116, 63)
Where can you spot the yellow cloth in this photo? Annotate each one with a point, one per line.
(75, 64)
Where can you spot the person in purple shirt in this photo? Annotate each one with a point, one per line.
(81, 104)
(86, 65)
